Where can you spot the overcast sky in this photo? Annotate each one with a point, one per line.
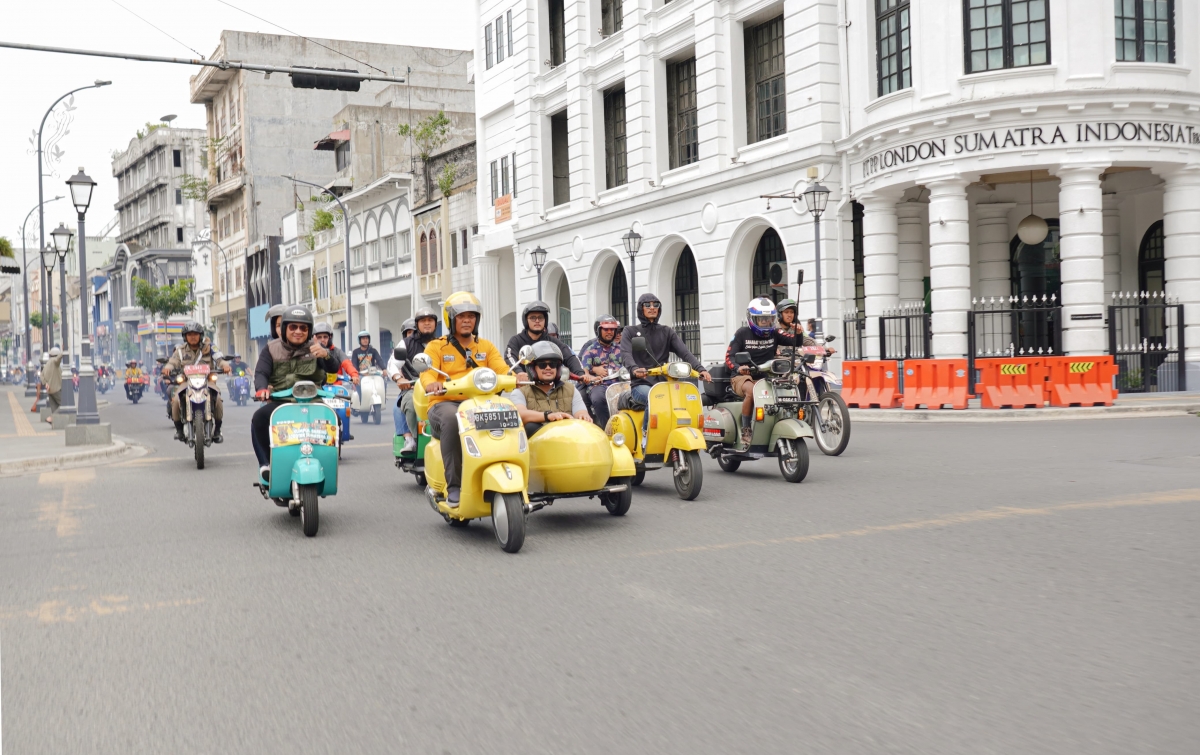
(106, 119)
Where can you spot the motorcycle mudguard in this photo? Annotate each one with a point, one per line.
(307, 471)
(789, 429)
(623, 465)
(720, 425)
(685, 439)
(503, 478)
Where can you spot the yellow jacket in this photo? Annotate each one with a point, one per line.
(447, 358)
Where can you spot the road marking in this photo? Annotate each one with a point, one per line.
(984, 515)
(61, 514)
(24, 429)
(60, 611)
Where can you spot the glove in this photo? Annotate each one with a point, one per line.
(263, 395)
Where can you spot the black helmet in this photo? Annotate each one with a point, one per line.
(193, 327)
(545, 350)
(787, 304)
(296, 314)
(422, 313)
(552, 329)
(535, 306)
(323, 327)
(408, 326)
(606, 321)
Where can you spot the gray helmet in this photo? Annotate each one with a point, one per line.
(296, 314)
(534, 306)
(409, 325)
(272, 314)
(545, 350)
(362, 333)
(323, 327)
(193, 327)
(422, 313)
(607, 321)
(552, 329)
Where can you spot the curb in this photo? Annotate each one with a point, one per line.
(1021, 415)
(89, 457)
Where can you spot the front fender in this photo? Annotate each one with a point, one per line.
(789, 429)
(503, 478)
(622, 465)
(308, 471)
(685, 439)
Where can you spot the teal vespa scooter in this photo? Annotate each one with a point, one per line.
(304, 453)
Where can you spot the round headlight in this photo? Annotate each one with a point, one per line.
(679, 370)
(618, 439)
(306, 448)
(484, 379)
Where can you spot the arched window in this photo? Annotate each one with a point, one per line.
(563, 299)
(618, 295)
(770, 250)
(687, 300)
(435, 262)
(1035, 268)
(424, 254)
(1151, 260)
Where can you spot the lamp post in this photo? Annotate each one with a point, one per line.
(539, 261)
(345, 248)
(30, 389)
(49, 257)
(633, 245)
(81, 196)
(228, 324)
(816, 197)
(62, 244)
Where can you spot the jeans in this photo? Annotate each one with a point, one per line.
(399, 419)
(443, 421)
(410, 413)
(599, 404)
(641, 395)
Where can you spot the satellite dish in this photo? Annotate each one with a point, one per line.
(168, 118)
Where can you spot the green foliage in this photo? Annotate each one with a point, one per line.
(322, 221)
(35, 319)
(150, 129)
(1130, 380)
(194, 188)
(125, 346)
(429, 134)
(446, 179)
(163, 301)
(6, 248)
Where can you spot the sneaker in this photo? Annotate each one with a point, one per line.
(452, 496)
(179, 432)
(747, 436)
(265, 473)
(410, 445)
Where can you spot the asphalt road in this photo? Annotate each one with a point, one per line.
(993, 588)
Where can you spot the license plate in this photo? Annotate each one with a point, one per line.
(500, 420)
(335, 403)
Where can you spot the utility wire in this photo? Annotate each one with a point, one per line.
(114, 2)
(417, 50)
(301, 36)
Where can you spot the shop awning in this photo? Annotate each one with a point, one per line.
(330, 142)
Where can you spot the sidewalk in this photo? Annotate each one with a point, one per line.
(1126, 405)
(28, 445)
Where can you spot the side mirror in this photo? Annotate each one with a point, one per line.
(400, 353)
(161, 360)
(742, 357)
(421, 362)
(639, 344)
(524, 354)
(830, 339)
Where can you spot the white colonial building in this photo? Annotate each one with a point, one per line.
(938, 127)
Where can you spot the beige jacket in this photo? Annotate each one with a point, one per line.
(52, 375)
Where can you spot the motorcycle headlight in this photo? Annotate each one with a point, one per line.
(197, 381)
(212, 376)
(679, 370)
(618, 439)
(304, 389)
(179, 380)
(484, 380)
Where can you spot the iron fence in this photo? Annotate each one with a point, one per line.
(904, 332)
(1008, 326)
(1145, 338)
(853, 325)
(689, 333)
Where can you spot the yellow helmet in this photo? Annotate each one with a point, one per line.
(459, 303)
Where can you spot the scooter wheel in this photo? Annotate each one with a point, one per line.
(689, 482)
(508, 521)
(376, 414)
(618, 503)
(727, 464)
(309, 515)
(832, 409)
(794, 465)
(420, 477)
(639, 476)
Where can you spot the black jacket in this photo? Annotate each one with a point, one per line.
(415, 344)
(760, 348)
(367, 358)
(661, 342)
(524, 339)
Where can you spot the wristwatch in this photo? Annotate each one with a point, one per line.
(547, 415)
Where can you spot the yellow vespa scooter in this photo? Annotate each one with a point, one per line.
(495, 454)
(673, 435)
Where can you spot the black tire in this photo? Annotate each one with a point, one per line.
(310, 516)
(420, 476)
(728, 464)
(377, 414)
(833, 409)
(618, 503)
(794, 467)
(198, 439)
(508, 521)
(135, 399)
(640, 475)
(364, 416)
(457, 523)
(688, 484)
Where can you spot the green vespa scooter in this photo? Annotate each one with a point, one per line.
(304, 453)
(414, 461)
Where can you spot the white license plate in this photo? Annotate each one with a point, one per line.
(336, 403)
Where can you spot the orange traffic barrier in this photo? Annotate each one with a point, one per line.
(1082, 381)
(933, 383)
(1011, 383)
(871, 384)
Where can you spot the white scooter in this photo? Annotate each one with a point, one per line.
(372, 392)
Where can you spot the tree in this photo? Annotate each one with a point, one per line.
(35, 319)
(447, 177)
(429, 134)
(164, 301)
(6, 248)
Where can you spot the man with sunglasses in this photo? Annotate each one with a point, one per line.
(661, 342)
(550, 398)
(283, 363)
(602, 357)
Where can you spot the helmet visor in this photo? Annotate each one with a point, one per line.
(763, 321)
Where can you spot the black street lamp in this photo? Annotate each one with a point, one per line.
(30, 388)
(539, 261)
(633, 245)
(81, 186)
(61, 237)
(345, 249)
(816, 197)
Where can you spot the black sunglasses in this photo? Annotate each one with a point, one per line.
(545, 364)
(654, 304)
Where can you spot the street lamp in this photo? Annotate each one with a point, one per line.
(345, 247)
(633, 245)
(539, 261)
(816, 197)
(81, 186)
(62, 244)
(30, 389)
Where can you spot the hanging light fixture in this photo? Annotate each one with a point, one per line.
(1033, 229)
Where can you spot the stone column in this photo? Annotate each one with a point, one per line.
(881, 264)
(949, 265)
(914, 258)
(1081, 248)
(487, 290)
(995, 262)
(1112, 244)
(1181, 248)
